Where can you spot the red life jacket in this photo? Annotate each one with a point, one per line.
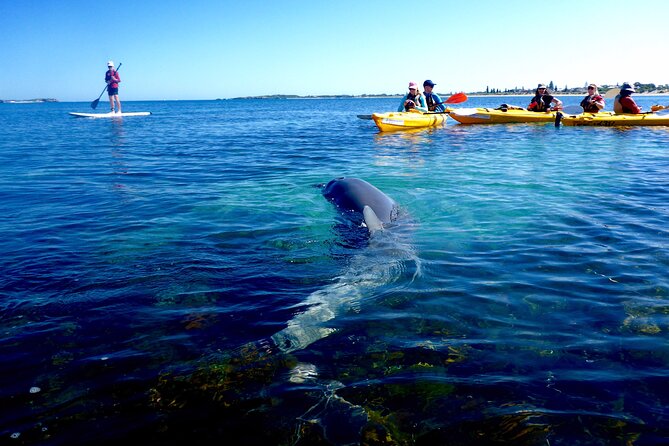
(590, 107)
(540, 103)
(112, 75)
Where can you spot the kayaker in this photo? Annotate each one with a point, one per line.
(432, 100)
(542, 100)
(413, 99)
(593, 102)
(623, 103)
(112, 78)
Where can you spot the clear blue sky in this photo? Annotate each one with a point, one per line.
(207, 49)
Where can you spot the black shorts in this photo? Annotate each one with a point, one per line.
(112, 91)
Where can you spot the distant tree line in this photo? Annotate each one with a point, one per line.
(638, 86)
(648, 88)
(322, 96)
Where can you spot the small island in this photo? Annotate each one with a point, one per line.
(27, 101)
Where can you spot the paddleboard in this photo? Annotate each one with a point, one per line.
(109, 115)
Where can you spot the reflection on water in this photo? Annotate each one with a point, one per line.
(402, 147)
(411, 135)
(117, 133)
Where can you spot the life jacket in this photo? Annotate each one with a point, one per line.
(414, 98)
(110, 75)
(588, 106)
(429, 100)
(619, 107)
(540, 103)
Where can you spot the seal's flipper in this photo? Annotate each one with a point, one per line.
(372, 221)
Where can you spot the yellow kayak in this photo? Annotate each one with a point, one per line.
(499, 116)
(608, 119)
(407, 120)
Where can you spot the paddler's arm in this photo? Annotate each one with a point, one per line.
(401, 107)
(440, 105)
(422, 106)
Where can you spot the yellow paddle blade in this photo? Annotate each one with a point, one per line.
(612, 93)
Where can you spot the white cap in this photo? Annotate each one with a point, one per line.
(110, 63)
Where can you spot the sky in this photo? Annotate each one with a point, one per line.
(209, 49)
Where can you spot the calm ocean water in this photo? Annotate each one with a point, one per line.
(522, 298)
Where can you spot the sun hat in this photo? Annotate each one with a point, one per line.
(429, 83)
(110, 63)
(413, 85)
(627, 87)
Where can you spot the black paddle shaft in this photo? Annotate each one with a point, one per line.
(94, 104)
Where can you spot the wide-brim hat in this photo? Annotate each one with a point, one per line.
(627, 87)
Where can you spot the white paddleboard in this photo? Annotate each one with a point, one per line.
(109, 115)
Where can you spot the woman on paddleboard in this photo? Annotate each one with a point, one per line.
(112, 78)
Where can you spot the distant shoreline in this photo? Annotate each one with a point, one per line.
(442, 95)
(27, 101)
(479, 95)
(341, 96)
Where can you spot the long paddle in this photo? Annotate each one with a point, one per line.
(612, 93)
(94, 104)
(576, 109)
(456, 98)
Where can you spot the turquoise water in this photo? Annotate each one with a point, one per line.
(522, 298)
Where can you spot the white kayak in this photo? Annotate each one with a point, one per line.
(109, 115)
